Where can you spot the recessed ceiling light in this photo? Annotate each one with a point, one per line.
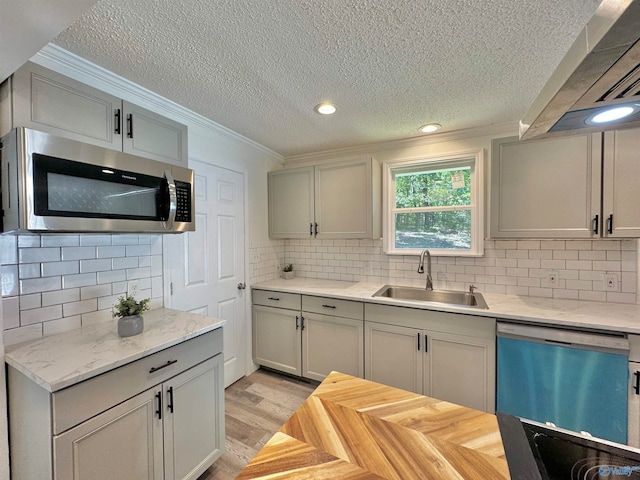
(430, 127)
(325, 108)
(612, 114)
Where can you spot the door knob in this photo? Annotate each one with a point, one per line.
(241, 286)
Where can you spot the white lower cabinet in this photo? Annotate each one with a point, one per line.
(447, 356)
(173, 429)
(101, 446)
(307, 336)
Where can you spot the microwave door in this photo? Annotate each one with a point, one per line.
(69, 189)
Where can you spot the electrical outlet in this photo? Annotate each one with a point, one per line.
(611, 282)
(133, 288)
(552, 277)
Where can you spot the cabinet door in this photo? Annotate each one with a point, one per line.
(291, 203)
(621, 174)
(332, 343)
(545, 188)
(50, 102)
(633, 422)
(343, 200)
(459, 369)
(276, 339)
(393, 356)
(150, 135)
(122, 443)
(194, 420)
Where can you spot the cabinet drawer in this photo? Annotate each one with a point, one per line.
(290, 301)
(79, 402)
(333, 306)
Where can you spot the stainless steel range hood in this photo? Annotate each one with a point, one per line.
(601, 70)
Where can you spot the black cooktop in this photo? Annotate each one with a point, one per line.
(540, 452)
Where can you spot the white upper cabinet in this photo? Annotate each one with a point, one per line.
(621, 177)
(38, 98)
(291, 203)
(333, 200)
(545, 188)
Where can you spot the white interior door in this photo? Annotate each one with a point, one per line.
(207, 266)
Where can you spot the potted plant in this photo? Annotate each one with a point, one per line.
(129, 313)
(287, 271)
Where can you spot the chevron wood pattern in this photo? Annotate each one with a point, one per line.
(350, 428)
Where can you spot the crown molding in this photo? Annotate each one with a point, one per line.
(495, 130)
(54, 57)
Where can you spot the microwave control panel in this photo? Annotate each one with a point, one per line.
(183, 209)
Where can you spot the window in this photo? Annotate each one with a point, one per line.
(434, 203)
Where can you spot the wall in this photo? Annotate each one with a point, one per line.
(514, 267)
(511, 267)
(56, 283)
(47, 285)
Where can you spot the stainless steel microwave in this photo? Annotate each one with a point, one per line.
(52, 184)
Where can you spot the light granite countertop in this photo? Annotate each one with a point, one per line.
(65, 359)
(612, 317)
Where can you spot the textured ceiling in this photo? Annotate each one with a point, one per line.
(258, 67)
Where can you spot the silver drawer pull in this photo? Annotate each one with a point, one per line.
(169, 362)
(329, 306)
(274, 298)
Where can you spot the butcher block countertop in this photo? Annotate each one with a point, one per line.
(350, 428)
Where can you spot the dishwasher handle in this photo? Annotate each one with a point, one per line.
(564, 337)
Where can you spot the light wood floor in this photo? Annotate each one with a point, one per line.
(256, 406)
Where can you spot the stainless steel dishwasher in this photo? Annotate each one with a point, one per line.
(576, 380)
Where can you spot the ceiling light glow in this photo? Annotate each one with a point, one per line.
(612, 114)
(430, 127)
(325, 108)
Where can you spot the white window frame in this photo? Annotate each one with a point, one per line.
(472, 158)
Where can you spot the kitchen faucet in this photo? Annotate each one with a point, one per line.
(429, 285)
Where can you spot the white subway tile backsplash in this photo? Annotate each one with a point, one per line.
(100, 316)
(61, 325)
(10, 312)
(124, 263)
(112, 276)
(95, 291)
(137, 250)
(136, 273)
(33, 300)
(94, 240)
(38, 315)
(8, 249)
(36, 285)
(14, 336)
(60, 240)
(51, 269)
(93, 270)
(33, 255)
(10, 280)
(98, 265)
(59, 297)
(78, 253)
(111, 251)
(27, 241)
(78, 308)
(79, 280)
(518, 267)
(125, 239)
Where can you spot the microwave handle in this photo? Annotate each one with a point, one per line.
(173, 200)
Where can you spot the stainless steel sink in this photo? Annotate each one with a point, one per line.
(449, 297)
